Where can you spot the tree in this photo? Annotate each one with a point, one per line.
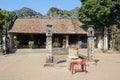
(5, 18)
(100, 12)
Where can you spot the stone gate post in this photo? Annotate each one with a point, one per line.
(90, 43)
(49, 43)
(105, 39)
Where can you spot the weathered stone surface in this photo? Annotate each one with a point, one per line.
(90, 43)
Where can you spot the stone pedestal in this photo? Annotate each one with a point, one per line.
(49, 59)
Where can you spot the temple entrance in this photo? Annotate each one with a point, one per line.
(39, 40)
(58, 40)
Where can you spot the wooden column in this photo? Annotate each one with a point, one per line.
(67, 41)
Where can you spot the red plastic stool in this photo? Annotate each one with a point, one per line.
(82, 63)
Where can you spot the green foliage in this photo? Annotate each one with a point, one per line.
(16, 43)
(56, 42)
(5, 18)
(95, 43)
(117, 41)
(116, 37)
(31, 44)
(80, 43)
(117, 45)
(99, 12)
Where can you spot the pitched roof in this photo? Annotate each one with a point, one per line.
(38, 25)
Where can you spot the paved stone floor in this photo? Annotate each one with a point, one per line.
(31, 67)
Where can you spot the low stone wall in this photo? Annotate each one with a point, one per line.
(59, 51)
(59, 54)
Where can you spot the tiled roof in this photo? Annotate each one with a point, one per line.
(38, 25)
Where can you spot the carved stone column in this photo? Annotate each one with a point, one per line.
(90, 43)
(105, 38)
(49, 43)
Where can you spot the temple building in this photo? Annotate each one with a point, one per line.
(65, 31)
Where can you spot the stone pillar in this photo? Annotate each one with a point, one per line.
(90, 43)
(49, 44)
(5, 41)
(105, 40)
(11, 41)
(99, 42)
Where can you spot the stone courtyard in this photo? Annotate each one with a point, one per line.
(23, 65)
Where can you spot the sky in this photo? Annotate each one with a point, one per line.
(41, 6)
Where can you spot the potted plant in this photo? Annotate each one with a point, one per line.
(56, 43)
(80, 44)
(16, 42)
(31, 44)
(95, 43)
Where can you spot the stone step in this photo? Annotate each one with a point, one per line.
(29, 51)
(81, 51)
